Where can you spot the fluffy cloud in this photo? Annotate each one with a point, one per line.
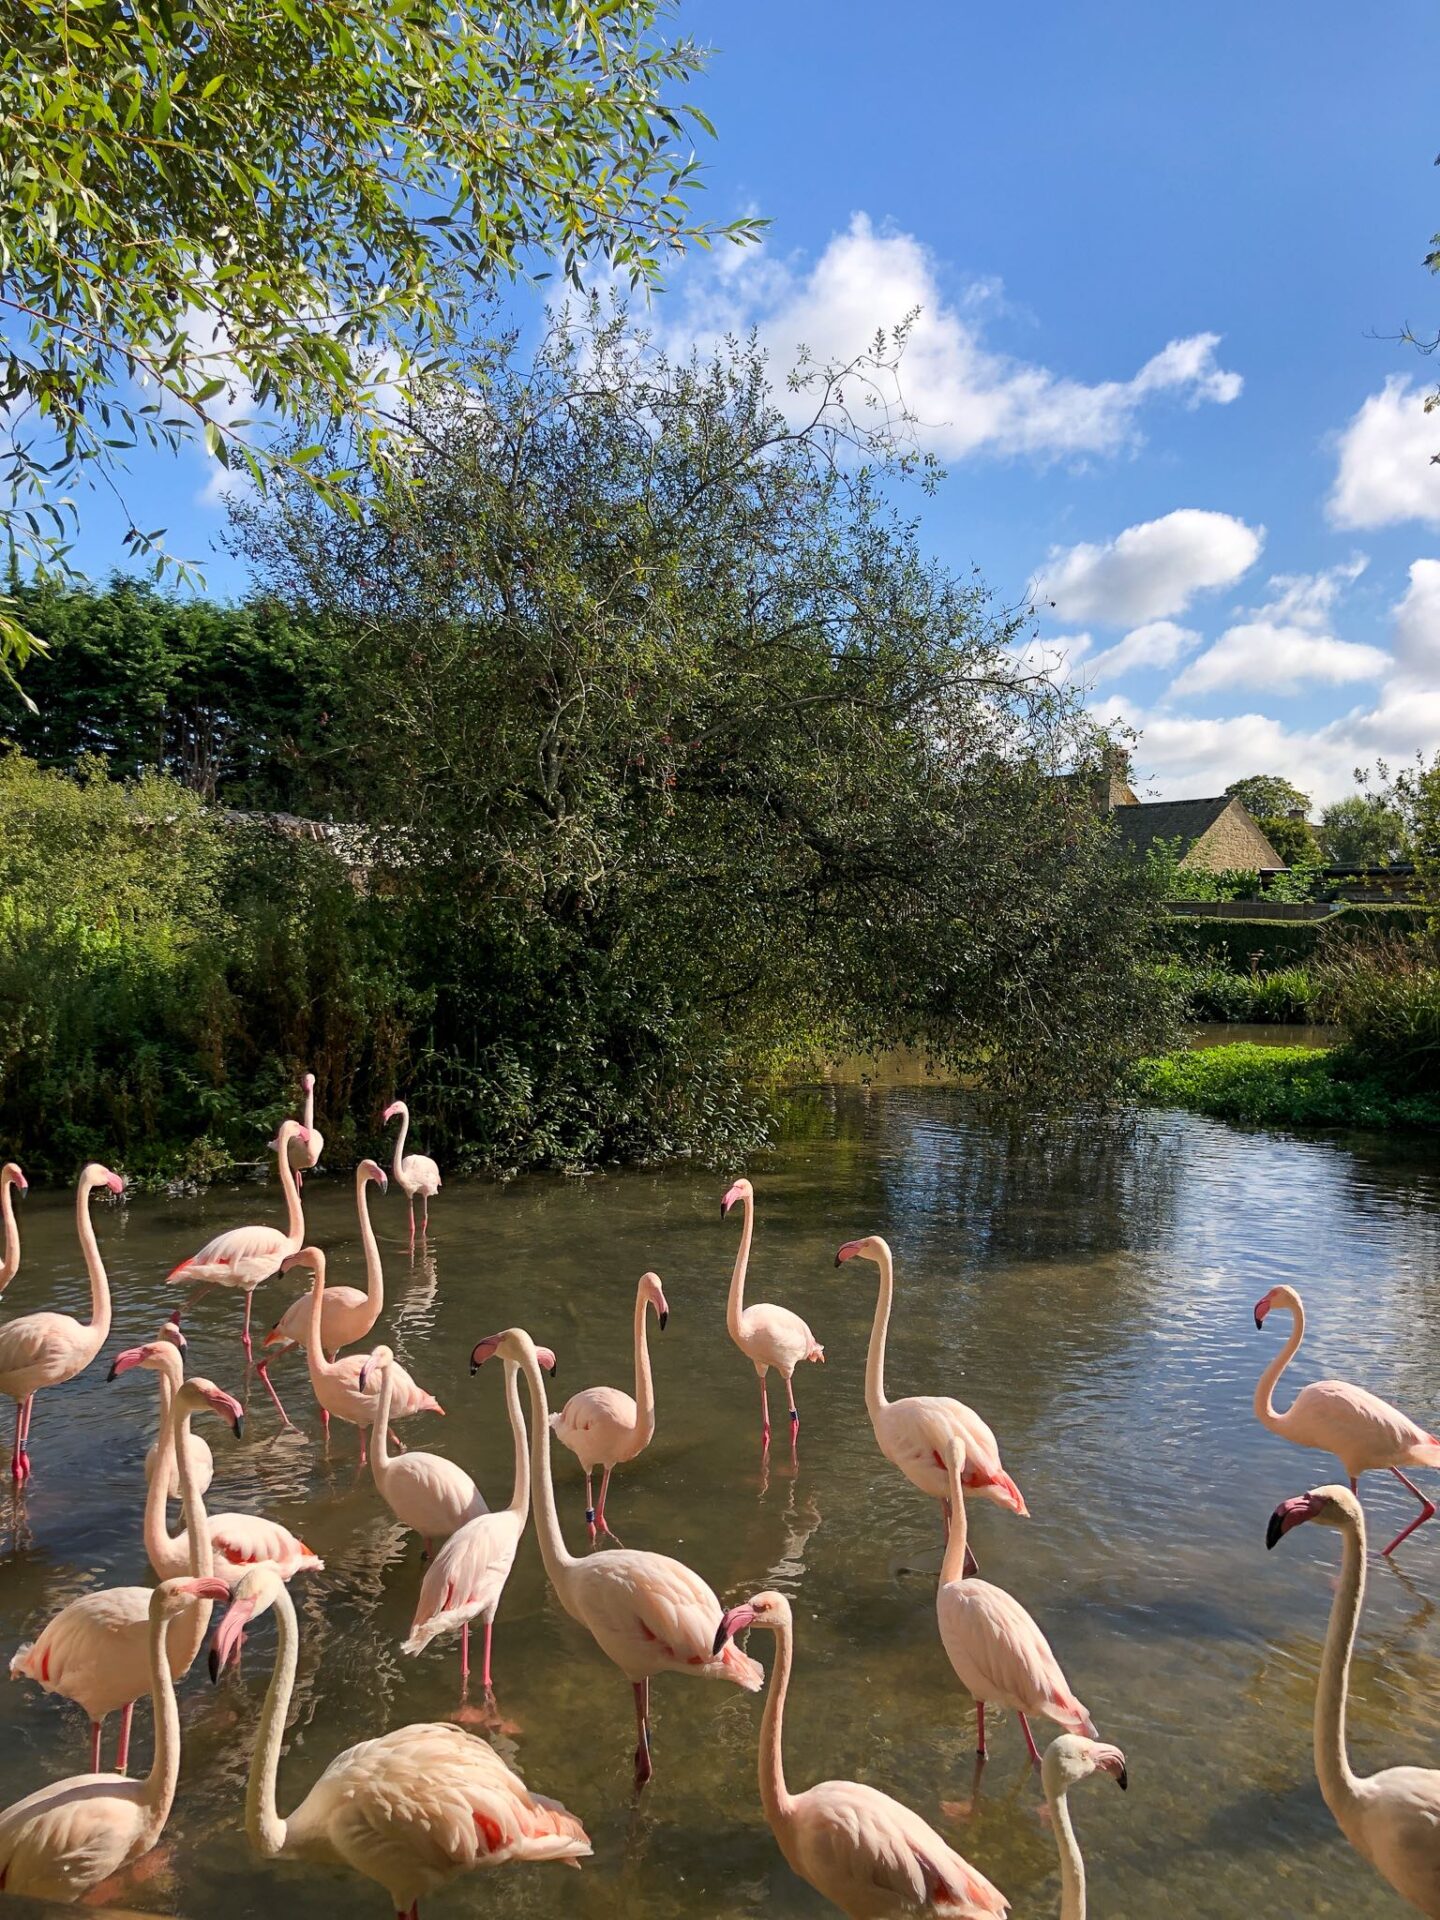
(966, 398)
(1385, 472)
(1417, 624)
(1149, 571)
(1286, 642)
(1159, 643)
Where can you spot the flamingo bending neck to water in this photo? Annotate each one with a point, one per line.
(1392, 1819)
(767, 1336)
(868, 1854)
(12, 1181)
(423, 1490)
(1364, 1432)
(649, 1613)
(1069, 1760)
(411, 1809)
(61, 1842)
(202, 1461)
(602, 1426)
(337, 1383)
(413, 1172)
(305, 1147)
(47, 1349)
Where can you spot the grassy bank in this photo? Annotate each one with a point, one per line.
(1281, 1087)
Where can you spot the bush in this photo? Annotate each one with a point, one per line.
(1241, 946)
(1215, 993)
(1386, 996)
(1280, 1086)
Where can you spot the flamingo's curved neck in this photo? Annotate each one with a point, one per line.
(559, 1562)
(164, 1771)
(952, 1567)
(262, 1821)
(735, 1305)
(1072, 1867)
(875, 1399)
(374, 1274)
(309, 1110)
(161, 1548)
(1265, 1386)
(520, 1498)
(315, 1359)
(1338, 1785)
(774, 1795)
(380, 1460)
(95, 1267)
(644, 1384)
(10, 1265)
(294, 1212)
(399, 1158)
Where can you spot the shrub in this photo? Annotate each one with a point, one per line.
(1279, 1086)
(1386, 996)
(1215, 993)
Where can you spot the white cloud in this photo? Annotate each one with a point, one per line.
(1417, 623)
(1149, 571)
(1286, 642)
(1385, 473)
(966, 397)
(1159, 643)
(1056, 656)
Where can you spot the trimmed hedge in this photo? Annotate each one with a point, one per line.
(1271, 946)
(1280, 1087)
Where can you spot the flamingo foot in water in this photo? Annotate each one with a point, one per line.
(644, 1767)
(1427, 1512)
(286, 1423)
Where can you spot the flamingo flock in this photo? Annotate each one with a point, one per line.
(417, 1806)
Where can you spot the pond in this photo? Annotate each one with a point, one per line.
(1090, 1291)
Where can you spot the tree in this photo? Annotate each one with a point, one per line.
(1362, 830)
(1293, 839)
(1269, 795)
(262, 207)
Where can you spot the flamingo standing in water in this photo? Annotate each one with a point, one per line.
(914, 1433)
(998, 1653)
(305, 1147)
(202, 1461)
(1364, 1433)
(413, 1172)
(62, 1841)
(12, 1181)
(423, 1490)
(336, 1383)
(245, 1256)
(649, 1613)
(1067, 1762)
(96, 1651)
(47, 1349)
(465, 1580)
(411, 1809)
(866, 1853)
(767, 1336)
(1392, 1819)
(603, 1426)
(348, 1314)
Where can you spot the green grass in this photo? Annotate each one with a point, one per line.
(1213, 993)
(1280, 1087)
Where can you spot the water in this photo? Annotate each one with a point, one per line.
(1090, 1292)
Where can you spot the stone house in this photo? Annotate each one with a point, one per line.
(1217, 834)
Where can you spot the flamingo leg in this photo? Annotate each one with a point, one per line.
(794, 1411)
(96, 1728)
(17, 1452)
(412, 1223)
(245, 1330)
(643, 1767)
(464, 1659)
(122, 1754)
(1030, 1741)
(980, 1747)
(425, 1216)
(264, 1372)
(764, 1415)
(600, 1520)
(590, 1505)
(485, 1673)
(1427, 1510)
(424, 1548)
(23, 1418)
(362, 1446)
(1354, 1484)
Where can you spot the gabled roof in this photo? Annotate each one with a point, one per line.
(1146, 822)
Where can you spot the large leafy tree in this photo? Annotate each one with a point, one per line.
(279, 207)
(1363, 830)
(1268, 795)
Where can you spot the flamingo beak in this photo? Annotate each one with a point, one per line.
(732, 1194)
(664, 1318)
(483, 1351)
(847, 1252)
(1291, 1514)
(1262, 1307)
(384, 1181)
(207, 1589)
(1112, 1761)
(364, 1374)
(228, 1408)
(115, 1182)
(734, 1620)
(132, 1357)
(227, 1635)
(547, 1361)
(22, 1185)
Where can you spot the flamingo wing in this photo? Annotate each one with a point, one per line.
(94, 1651)
(419, 1174)
(36, 1348)
(340, 1308)
(651, 1614)
(873, 1856)
(465, 1578)
(1000, 1654)
(591, 1423)
(64, 1839)
(244, 1540)
(241, 1257)
(1361, 1429)
(777, 1335)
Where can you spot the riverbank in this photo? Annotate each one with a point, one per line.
(1280, 1087)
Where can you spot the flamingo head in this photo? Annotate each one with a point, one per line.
(171, 1333)
(655, 1293)
(1331, 1506)
(871, 1248)
(97, 1176)
(307, 1083)
(374, 1173)
(1073, 1758)
(770, 1610)
(310, 1257)
(13, 1177)
(511, 1345)
(395, 1106)
(1283, 1297)
(381, 1357)
(203, 1396)
(173, 1596)
(254, 1594)
(742, 1190)
(156, 1356)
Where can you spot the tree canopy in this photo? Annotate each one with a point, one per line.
(1363, 830)
(1268, 795)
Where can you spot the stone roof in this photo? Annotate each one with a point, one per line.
(1240, 841)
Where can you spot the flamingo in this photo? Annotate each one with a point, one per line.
(1067, 1762)
(336, 1383)
(646, 1611)
(414, 1172)
(602, 1426)
(1392, 1818)
(47, 1349)
(767, 1336)
(913, 1433)
(246, 1256)
(465, 1580)
(1364, 1433)
(12, 1180)
(202, 1461)
(423, 1490)
(996, 1649)
(869, 1855)
(96, 1651)
(411, 1809)
(305, 1147)
(65, 1839)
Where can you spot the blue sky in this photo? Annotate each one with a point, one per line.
(1158, 251)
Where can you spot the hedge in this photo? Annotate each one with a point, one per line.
(1271, 946)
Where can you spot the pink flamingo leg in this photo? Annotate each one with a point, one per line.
(96, 1727)
(362, 1446)
(1427, 1511)
(980, 1747)
(425, 1216)
(264, 1372)
(1030, 1741)
(600, 1520)
(245, 1331)
(464, 1659)
(643, 1767)
(24, 1417)
(485, 1675)
(794, 1411)
(764, 1415)
(122, 1755)
(17, 1451)
(590, 1505)
(412, 1223)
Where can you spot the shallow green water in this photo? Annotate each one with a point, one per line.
(1090, 1293)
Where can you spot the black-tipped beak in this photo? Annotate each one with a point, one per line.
(722, 1634)
(474, 1368)
(838, 1261)
(111, 1374)
(1122, 1779)
(554, 1368)
(238, 1423)
(1275, 1529)
(1259, 1320)
(214, 1667)
(365, 1370)
(664, 1319)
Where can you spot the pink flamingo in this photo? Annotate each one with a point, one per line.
(767, 1336)
(996, 1649)
(866, 1853)
(96, 1651)
(245, 1256)
(411, 1809)
(47, 1349)
(202, 1461)
(12, 1181)
(62, 1841)
(305, 1147)
(1364, 1433)
(603, 1426)
(914, 1433)
(423, 1490)
(465, 1580)
(1392, 1819)
(336, 1383)
(646, 1611)
(413, 1172)
(1067, 1762)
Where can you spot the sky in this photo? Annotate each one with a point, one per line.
(1162, 256)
